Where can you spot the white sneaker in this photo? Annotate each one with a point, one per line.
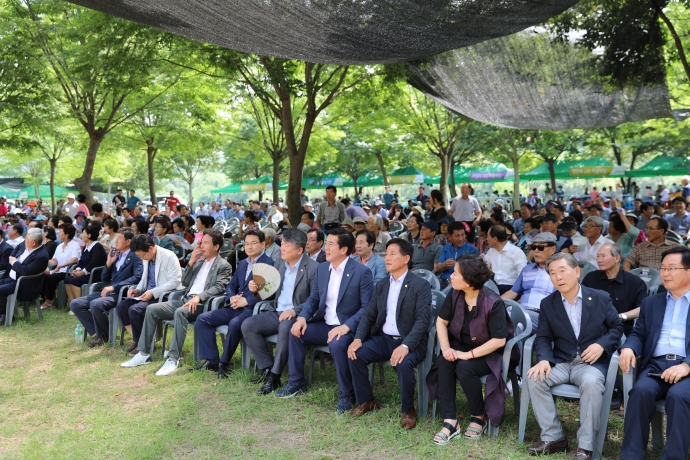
(70, 313)
(170, 366)
(166, 353)
(138, 360)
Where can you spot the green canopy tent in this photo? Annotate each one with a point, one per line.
(495, 172)
(593, 168)
(260, 184)
(44, 191)
(370, 179)
(323, 181)
(662, 166)
(409, 175)
(9, 193)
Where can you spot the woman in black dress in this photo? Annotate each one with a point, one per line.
(92, 256)
(49, 238)
(438, 210)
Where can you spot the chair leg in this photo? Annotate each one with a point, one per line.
(195, 347)
(516, 394)
(312, 357)
(524, 406)
(371, 374)
(27, 309)
(657, 431)
(11, 302)
(38, 309)
(422, 393)
(112, 326)
(165, 336)
(244, 352)
(322, 360)
(383, 380)
(433, 410)
(491, 430)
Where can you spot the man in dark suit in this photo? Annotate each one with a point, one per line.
(297, 274)
(29, 258)
(661, 337)
(122, 268)
(330, 316)
(315, 242)
(5, 252)
(585, 330)
(241, 296)
(205, 277)
(394, 326)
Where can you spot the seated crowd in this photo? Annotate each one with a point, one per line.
(352, 285)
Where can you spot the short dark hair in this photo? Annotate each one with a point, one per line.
(663, 223)
(332, 187)
(550, 217)
(141, 242)
(345, 238)
(309, 213)
(595, 206)
(454, 226)
(527, 205)
(180, 223)
(294, 236)
(532, 221)
(345, 201)
(683, 251)
(55, 220)
(112, 224)
(679, 198)
(474, 270)
(419, 219)
(93, 231)
(67, 229)
(49, 231)
(499, 232)
(207, 221)
(558, 206)
(97, 207)
(66, 220)
(257, 233)
(320, 237)
(126, 233)
(142, 226)
(406, 249)
(616, 222)
(165, 224)
(217, 237)
(370, 237)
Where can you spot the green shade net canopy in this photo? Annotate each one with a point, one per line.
(324, 181)
(535, 80)
(593, 168)
(337, 31)
(261, 184)
(44, 191)
(495, 172)
(662, 166)
(409, 175)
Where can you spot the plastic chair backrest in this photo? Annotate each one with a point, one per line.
(437, 299)
(429, 276)
(650, 276)
(518, 315)
(673, 236)
(585, 267)
(395, 227)
(492, 285)
(447, 289)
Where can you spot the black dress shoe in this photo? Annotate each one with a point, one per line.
(261, 378)
(207, 366)
(97, 342)
(616, 399)
(223, 371)
(271, 384)
(548, 447)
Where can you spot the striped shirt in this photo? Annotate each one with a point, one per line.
(532, 286)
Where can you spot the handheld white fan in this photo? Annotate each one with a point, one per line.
(267, 278)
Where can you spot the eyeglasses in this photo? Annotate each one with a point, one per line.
(589, 227)
(669, 269)
(539, 247)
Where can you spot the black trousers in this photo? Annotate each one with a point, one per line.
(642, 407)
(50, 283)
(468, 373)
(503, 288)
(7, 287)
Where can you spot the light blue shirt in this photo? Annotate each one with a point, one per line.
(390, 327)
(121, 260)
(672, 337)
(288, 289)
(574, 312)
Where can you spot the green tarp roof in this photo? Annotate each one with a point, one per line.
(562, 170)
(462, 173)
(662, 166)
(262, 184)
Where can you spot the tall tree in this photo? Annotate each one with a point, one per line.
(512, 145)
(99, 62)
(551, 145)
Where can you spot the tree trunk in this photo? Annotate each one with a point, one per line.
(276, 177)
(676, 39)
(382, 165)
(445, 167)
(516, 184)
(550, 162)
(150, 156)
(53, 201)
(190, 183)
(451, 173)
(83, 183)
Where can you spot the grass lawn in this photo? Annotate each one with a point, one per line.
(62, 400)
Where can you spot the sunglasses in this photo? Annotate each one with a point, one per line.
(539, 247)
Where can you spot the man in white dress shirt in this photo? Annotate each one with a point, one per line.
(505, 260)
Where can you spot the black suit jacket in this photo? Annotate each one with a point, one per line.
(35, 263)
(96, 257)
(412, 316)
(5, 252)
(645, 335)
(129, 273)
(600, 324)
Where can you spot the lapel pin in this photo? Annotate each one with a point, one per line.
(406, 285)
(589, 298)
(348, 274)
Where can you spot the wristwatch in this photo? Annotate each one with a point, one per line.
(623, 316)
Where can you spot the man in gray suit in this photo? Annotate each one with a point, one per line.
(206, 276)
(297, 273)
(394, 327)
